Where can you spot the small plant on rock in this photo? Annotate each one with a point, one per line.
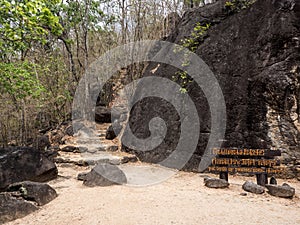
(236, 6)
(191, 43)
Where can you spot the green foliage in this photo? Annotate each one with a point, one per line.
(192, 43)
(24, 22)
(196, 37)
(19, 80)
(236, 6)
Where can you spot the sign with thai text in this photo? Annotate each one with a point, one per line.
(254, 161)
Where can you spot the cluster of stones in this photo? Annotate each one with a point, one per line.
(284, 190)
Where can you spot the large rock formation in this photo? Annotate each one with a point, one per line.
(255, 56)
(24, 163)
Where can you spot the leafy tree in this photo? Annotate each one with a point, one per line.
(19, 80)
(23, 23)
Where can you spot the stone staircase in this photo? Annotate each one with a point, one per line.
(83, 150)
(92, 149)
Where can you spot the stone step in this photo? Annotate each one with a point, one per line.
(86, 159)
(102, 131)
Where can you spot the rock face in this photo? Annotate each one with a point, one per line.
(104, 175)
(33, 191)
(215, 183)
(12, 208)
(23, 163)
(255, 56)
(284, 191)
(253, 188)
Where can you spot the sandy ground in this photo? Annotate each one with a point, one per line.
(182, 199)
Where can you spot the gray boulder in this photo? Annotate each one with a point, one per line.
(215, 183)
(12, 207)
(284, 191)
(81, 176)
(253, 188)
(32, 191)
(112, 148)
(104, 175)
(24, 163)
(273, 180)
(70, 148)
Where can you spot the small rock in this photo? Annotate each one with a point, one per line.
(284, 191)
(243, 194)
(253, 188)
(286, 185)
(127, 159)
(112, 148)
(273, 181)
(69, 130)
(81, 176)
(215, 183)
(62, 160)
(93, 150)
(40, 193)
(116, 161)
(105, 174)
(81, 163)
(69, 148)
(82, 149)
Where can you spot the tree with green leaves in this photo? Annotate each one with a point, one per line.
(24, 23)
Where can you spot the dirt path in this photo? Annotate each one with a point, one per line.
(182, 199)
